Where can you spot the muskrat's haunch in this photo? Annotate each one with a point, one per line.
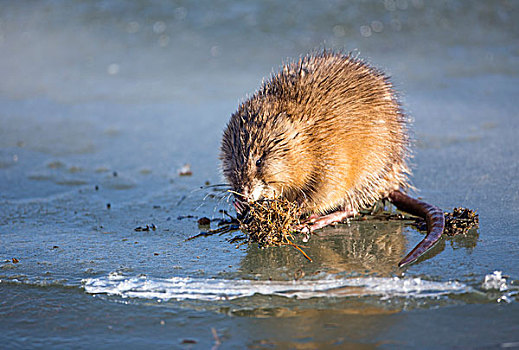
(328, 133)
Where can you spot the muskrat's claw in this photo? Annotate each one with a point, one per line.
(241, 209)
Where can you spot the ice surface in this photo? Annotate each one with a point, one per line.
(220, 289)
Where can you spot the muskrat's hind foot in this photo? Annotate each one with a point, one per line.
(433, 216)
(315, 222)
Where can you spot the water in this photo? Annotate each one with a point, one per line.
(103, 102)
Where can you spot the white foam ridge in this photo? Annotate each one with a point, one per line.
(495, 280)
(210, 289)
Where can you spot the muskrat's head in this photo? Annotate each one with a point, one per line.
(263, 156)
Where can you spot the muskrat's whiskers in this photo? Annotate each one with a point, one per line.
(199, 206)
(219, 195)
(228, 197)
(225, 198)
(207, 195)
(204, 187)
(224, 212)
(214, 185)
(217, 205)
(183, 198)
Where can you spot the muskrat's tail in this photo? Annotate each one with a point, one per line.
(433, 216)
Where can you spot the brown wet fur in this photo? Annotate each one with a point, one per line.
(328, 133)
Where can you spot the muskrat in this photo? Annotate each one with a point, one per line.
(327, 132)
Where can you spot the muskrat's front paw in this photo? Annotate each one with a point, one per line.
(315, 222)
